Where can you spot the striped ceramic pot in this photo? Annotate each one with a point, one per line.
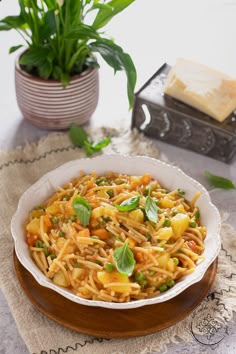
(47, 104)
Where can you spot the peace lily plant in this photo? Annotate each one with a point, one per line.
(61, 37)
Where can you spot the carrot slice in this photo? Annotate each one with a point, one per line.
(103, 234)
(84, 233)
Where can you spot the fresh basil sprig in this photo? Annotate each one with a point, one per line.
(128, 204)
(219, 182)
(151, 209)
(79, 137)
(124, 259)
(82, 209)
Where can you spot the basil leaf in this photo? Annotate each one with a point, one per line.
(219, 182)
(151, 209)
(128, 204)
(78, 135)
(101, 144)
(124, 259)
(82, 209)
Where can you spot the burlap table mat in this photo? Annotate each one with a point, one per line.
(22, 167)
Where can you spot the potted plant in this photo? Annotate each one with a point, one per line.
(57, 74)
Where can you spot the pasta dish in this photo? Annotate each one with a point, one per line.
(116, 237)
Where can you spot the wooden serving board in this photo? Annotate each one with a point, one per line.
(106, 323)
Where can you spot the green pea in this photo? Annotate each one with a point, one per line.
(110, 192)
(143, 283)
(52, 256)
(192, 223)
(39, 244)
(62, 233)
(138, 277)
(73, 218)
(197, 215)
(174, 212)
(54, 220)
(180, 191)
(163, 287)
(46, 251)
(167, 222)
(109, 267)
(148, 236)
(39, 207)
(176, 260)
(170, 282)
(96, 261)
(101, 181)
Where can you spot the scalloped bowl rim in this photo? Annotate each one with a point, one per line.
(130, 165)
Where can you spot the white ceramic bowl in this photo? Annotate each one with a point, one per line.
(169, 176)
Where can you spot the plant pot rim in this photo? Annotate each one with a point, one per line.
(53, 81)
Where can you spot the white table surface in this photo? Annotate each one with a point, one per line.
(153, 32)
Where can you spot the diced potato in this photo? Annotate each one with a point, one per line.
(136, 179)
(179, 224)
(180, 209)
(36, 213)
(163, 260)
(115, 277)
(131, 243)
(171, 266)
(60, 279)
(103, 211)
(102, 194)
(34, 227)
(78, 273)
(165, 233)
(136, 215)
(167, 203)
(53, 209)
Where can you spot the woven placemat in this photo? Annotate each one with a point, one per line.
(22, 167)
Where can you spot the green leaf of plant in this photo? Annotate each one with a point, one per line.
(82, 32)
(151, 209)
(13, 22)
(105, 14)
(118, 60)
(83, 209)
(131, 74)
(45, 69)
(78, 135)
(5, 27)
(124, 259)
(14, 48)
(219, 182)
(128, 204)
(48, 26)
(35, 56)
